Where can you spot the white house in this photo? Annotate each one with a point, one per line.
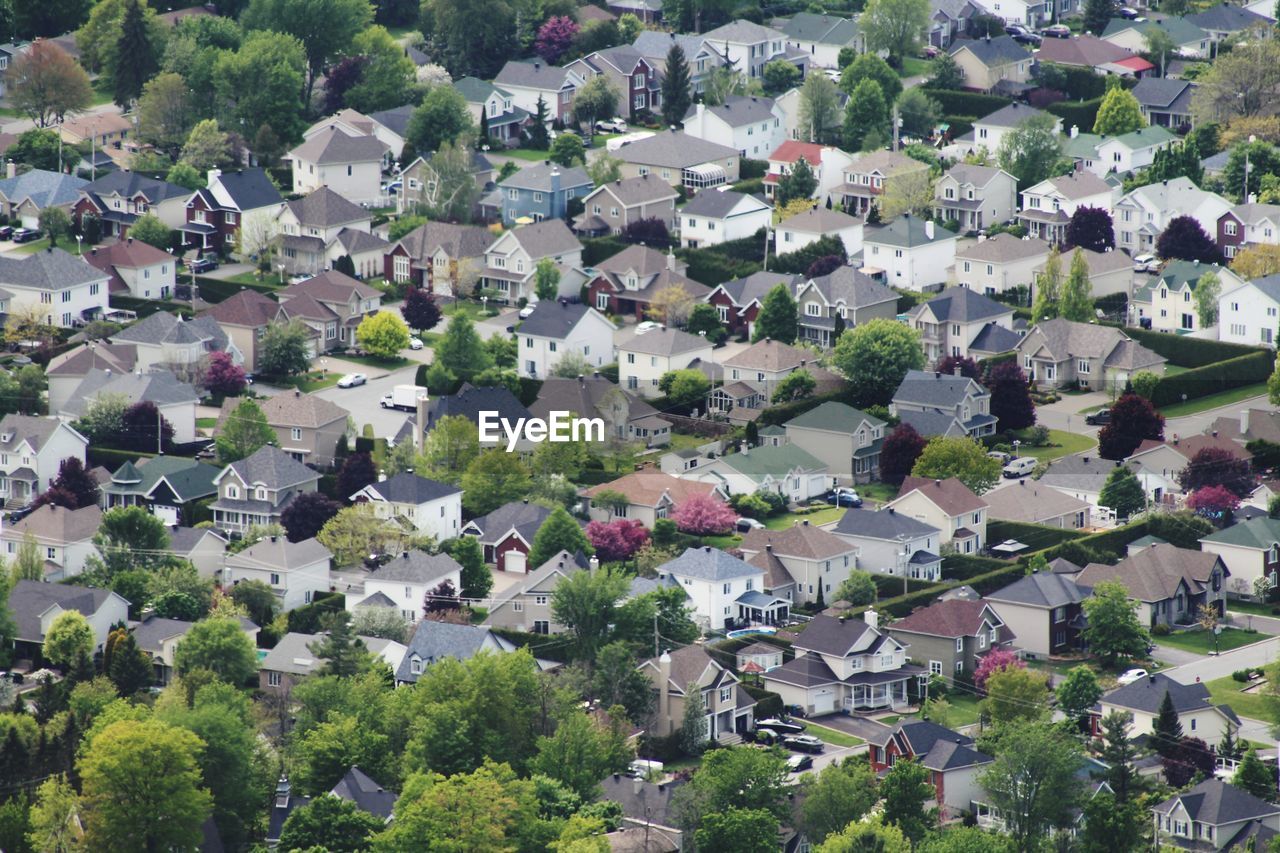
(1143, 214)
(1129, 152)
(351, 166)
(407, 579)
(977, 197)
(1141, 702)
(388, 126)
(58, 285)
(786, 469)
(526, 82)
(1189, 41)
(912, 254)
(63, 537)
(1247, 313)
(559, 327)
(433, 508)
(990, 130)
(644, 358)
(798, 231)
(822, 37)
(714, 581)
(717, 216)
(1048, 206)
(510, 261)
(174, 399)
(958, 319)
(36, 604)
(136, 268)
(295, 571)
(828, 165)
(31, 452)
(1169, 301)
(1000, 263)
(750, 123)
(892, 543)
(749, 47)
(1249, 549)
(321, 227)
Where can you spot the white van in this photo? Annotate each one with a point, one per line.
(1020, 467)
(642, 768)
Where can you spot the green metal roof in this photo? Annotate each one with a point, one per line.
(763, 462)
(833, 416)
(1260, 533)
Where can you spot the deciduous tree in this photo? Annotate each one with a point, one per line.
(777, 318)
(866, 117)
(1030, 152)
(69, 637)
(1113, 629)
(875, 357)
(1077, 291)
(244, 432)
(1133, 420)
(1033, 780)
(492, 479)
(325, 28)
(703, 515)
(460, 350)
(283, 349)
(819, 116)
(840, 794)
(960, 457)
(1184, 238)
(1010, 396)
(558, 533)
(220, 646)
(383, 335)
(898, 455)
(1208, 289)
(329, 823)
(47, 85)
(1091, 228)
(895, 26)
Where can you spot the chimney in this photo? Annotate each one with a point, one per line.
(273, 539)
(593, 563)
(421, 420)
(1244, 423)
(130, 241)
(706, 548)
(582, 380)
(537, 66)
(404, 555)
(938, 483)
(928, 228)
(664, 693)
(1075, 131)
(671, 257)
(555, 183)
(872, 619)
(213, 174)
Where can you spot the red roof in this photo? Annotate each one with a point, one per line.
(1135, 63)
(791, 151)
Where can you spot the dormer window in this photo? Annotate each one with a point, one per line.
(262, 493)
(233, 492)
(415, 665)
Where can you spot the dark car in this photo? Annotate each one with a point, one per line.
(1022, 35)
(799, 763)
(804, 743)
(6, 231)
(780, 725)
(26, 235)
(843, 497)
(1102, 417)
(375, 561)
(200, 265)
(1057, 31)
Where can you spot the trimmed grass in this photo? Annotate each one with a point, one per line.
(913, 66)
(374, 361)
(32, 247)
(822, 516)
(1060, 444)
(307, 382)
(730, 540)
(253, 278)
(531, 154)
(1226, 691)
(1174, 369)
(1213, 401)
(831, 736)
(470, 309)
(1201, 642)
(880, 492)
(206, 423)
(680, 441)
(1257, 608)
(964, 706)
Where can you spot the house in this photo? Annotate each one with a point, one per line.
(632, 76)
(467, 402)
(408, 579)
(66, 371)
(33, 605)
(868, 176)
(893, 543)
(168, 487)
(321, 227)
(843, 299)
(674, 674)
(1223, 21)
(650, 494)
(643, 359)
(258, 488)
(990, 130)
(1189, 41)
(951, 321)
(1001, 263)
(436, 641)
(1141, 701)
(332, 303)
(170, 342)
(843, 438)
(176, 400)
(529, 82)
(1141, 215)
(977, 197)
(390, 127)
(762, 655)
(790, 471)
(748, 47)
(120, 196)
(626, 416)
(542, 191)
(1251, 424)
(703, 57)
(1048, 206)
(432, 508)
(1087, 51)
(1247, 225)
(1168, 303)
(1028, 503)
(23, 197)
(948, 505)
(648, 11)
(1247, 312)
(494, 109)
(712, 218)
(1110, 272)
(1059, 352)
(738, 300)
(1159, 464)
(159, 638)
(1215, 815)
(526, 604)
(681, 160)
(423, 189)
(952, 759)
(203, 547)
(511, 260)
(135, 269)
(764, 364)
(349, 165)
(724, 591)
(987, 62)
(952, 635)
(506, 534)
(750, 123)
(294, 657)
(943, 404)
(827, 163)
(846, 665)
(438, 256)
(61, 287)
(1079, 476)
(295, 571)
(559, 328)
(813, 561)
(610, 208)
(912, 254)
(1165, 102)
(1170, 584)
(32, 450)
(822, 37)
(355, 787)
(626, 284)
(216, 213)
(63, 536)
(243, 318)
(798, 231)
(1043, 610)
(307, 427)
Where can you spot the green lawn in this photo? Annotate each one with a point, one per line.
(34, 246)
(1201, 642)
(964, 707)
(730, 540)
(1060, 444)
(880, 492)
(822, 516)
(1174, 369)
(1257, 608)
(470, 309)
(253, 278)
(1213, 401)
(206, 423)
(1226, 691)
(307, 382)
(831, 736)
(913, 67)
(533, 155)
(375, 362)
(681, 441)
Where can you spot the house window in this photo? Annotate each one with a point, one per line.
(728, 588)
(517, 606)
(93, 289)
(959, 644)
(1083, 365)
(935, 667)
(51, 553)
(296, 434)
(540, 600)
(726, 694)
(415, 665)
(275, 579)
(959, 666)
(273, 679)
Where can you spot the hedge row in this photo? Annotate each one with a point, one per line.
(110, 458)
(1036, 536)
(955, 102)
(890, 585)
(961, 567)
(988, 363)
(597, 249)
(215, 290)
(558, 649)
(1111, 541)
(1212, 378)
(1079, 114)
(147, 307)
(1186, 351)
(784, 412)
(768, 703)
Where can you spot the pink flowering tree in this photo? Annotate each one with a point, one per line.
(703, 515)
(617, 540)
(1215, 503)
(223, 378)
(555, 37)
(993, 662)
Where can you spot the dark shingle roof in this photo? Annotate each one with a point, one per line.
(1217, 803)
(539, 177)
(738, 111)
(552, 318)
(250, 189)
(357, 787)
(1043, 589)
(995, 338)
(1147, 694)
(245, 308)
(416, 567)
(991, 52)
(885, 524)
(29, 599)
(944, 390)
(324, 208)
(470, 401)
(716, 204)
(963, 305)
(525, 518)
(707, 563)
(412, 489)
(274, 468)
(433, 641)
(52, 269)
(334, 146)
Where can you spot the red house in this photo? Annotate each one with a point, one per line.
(1248, 224)
(628, 282)
(739, 300)
(951, 758)
(215, 213)
(508, 529)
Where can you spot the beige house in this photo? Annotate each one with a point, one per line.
(316, 230)
(611, 207)
(258, 488)
(1109, 272)
(681, 160)
(845, 439)
(1169, 584)
(802, 563)
(867, 178)
(961, 321)
(244, 318)
(159, 638)
(64, 538)
(1000, 263)
(651, 495)
(350, 165)
(526, 605)
(307, 427)
(730, 710)
(764, 364)
(645, 358)
(986, 62)
(948, 505)
(845, 296)
(1027, 502)
(1058, 352)
(1141, 702)
(345, 300)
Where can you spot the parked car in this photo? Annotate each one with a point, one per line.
(804, 743)
(525, 312)
(1102, 417)
(647, 326)
(1022, 35)
(209, 451)
(780, 725)
(794, 711)
(374, 561)
(844, 497)
(1057, 31)
(798, 763)
(1001, 457)
(351, 380)
(1146, 263)
(642, 768)
(746, 525)
(26, 235)
(1020, 467)
(1131, 675)
(6, 232)
(200, 265)
(612, 125)
(415, 343)
(1127, 13)
(929, 52)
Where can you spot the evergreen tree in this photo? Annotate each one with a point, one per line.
(777, 319)
(1166, 732)
(1122, 492)
(1118, 753)
(130, 668)
(866, 115)
(559, 532)
(693, 727)
(800, 182)
(1119, 112)
(676, 87)
(343, 652)
(539, 139)
(1077, 292)
(1048, 287)
(137, 62)
(1253, 776)
(1097, 14)
(1231, 746)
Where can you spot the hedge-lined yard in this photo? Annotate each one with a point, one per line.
(1035, 536)
(1239, 372)
(1186, 351)
(214, 290)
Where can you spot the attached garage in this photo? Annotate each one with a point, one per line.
(824, 700)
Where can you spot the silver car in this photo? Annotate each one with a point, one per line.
(351, 380)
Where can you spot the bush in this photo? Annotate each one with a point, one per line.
(1201, 381)
(751, 186)
(1241, 675)
(768, 703)
(1160, 630)
(961, 567)
(1037, 537)
(1081, 114)
(954, 101)
(597, 249)
(1190, 352)
(748, 168)
(215, 290)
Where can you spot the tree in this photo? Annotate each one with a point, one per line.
(819, 117)
(442, 117)
(596, 99)
(1184, 238)
(329, 823)
(55, 825)
(1119, 113)
(307, 515)
(546, 279)
(262, 83)
(1030, 152)
(1123, 492)
(493, 478)
(1077, 291)
(1114, 631)
(475, 577)
(1216, 503)
(1091, 228)
(581, 752)
(130, 669)
(37, 148)
(1253, 776)
(910, 193)
(150, 230)
(74, 485)
(779, 76)
(207, 147)
(1256, 261)
(283, 349)
(869, 834)
(554, 37)
(746, 830)
(1118, 752)
(584, 602)
(220, 646)
(796, 386)
(618, 539)
(703, 515)
(685, 388)
(223, 377)
(960, 457)
(120, 814)
(461, 351)
(799, 183)
(448, 449)
(383, 335)
(944, 73)
(919, 113)
(671, 305)
(605, 169)
(137, 59)
(726, 82)
(904, 789)
(677, 87)
(539, 138)
(1097, 14)
(1133, 420)
(558, 533)
(47, 85)
(875, 357)
(1208, 289)
(244, 433)
(1016, 694)
(1078, 693)
(894, 26)
(567, 150)
(1217, 466)
(1110, 824)
(1010, 397)
(692, 733)
(55, 223)
(866, 116)
(859, 589)
(387, 75)
(1186, 759)
(703, 317)
(650, 231)
(69, 637)
(898, 455)
(325, 28)
(1239, 83)
(1032, 780)
(355, 532)
(840, 794)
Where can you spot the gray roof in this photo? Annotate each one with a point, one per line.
(743, 31)
(378, 599)
(433, 641)
(1011, 115)
(416, 567)
(129, 184)
(709, 564)
(395, 119)
(249, 189)
(553, 318)
(1147, 694)
(855, 289)
(744, 291)
(972, 173)
(822, 29)
(717, 204)
(44, 188)
(886, 524)
(274, 468)
(1227, 19)
(538, 177)
(409, 488)
(1086, 473)
(277, 552)
(546, 238)
(937, 389)
(470, 401)
(52, 269)
(738, 110)
(159, 387)
(1003, 248)
(995, 338)
(458, 241)
(1217, 803)
(819, 220)
(675, 150)
(163, 327)
(643, 801)
(183, 540)
(324, 208)
(991, 52)
(906, 232)
(523, 517)
(359, 788)
(664, 342)
(641, 190)
(29, 599)
(332, 145)
(1043, 589)
(964, 305)
(531, 75)
(1160, 92)
(829, 635)
(151, 633)
(34, 430)
(655, 44)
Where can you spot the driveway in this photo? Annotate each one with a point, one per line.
(1199, 422)
(1175, 657)
(1065, 414)
(856, 726)
(362, 402)
(491, 326)
(225, 271)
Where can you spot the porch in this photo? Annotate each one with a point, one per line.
(18, 489)
(758, 608)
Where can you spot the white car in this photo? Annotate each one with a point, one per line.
(351, 380)
(613, 125)
(647, 326)
(415, 343)
(526, 311)
(1131, 675)
(1145, 263)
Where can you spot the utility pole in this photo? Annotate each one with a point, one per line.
(897, 124)
(655, 635)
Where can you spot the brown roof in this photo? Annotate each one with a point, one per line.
(950, 495)
(1188, 446)
(1031, 503)
(331, 286)
(801, 539)
(101, 355)
(646, 488)
(953, 618)
(305, 306)
(57, 524)
(687, 666)
(246, 308)
(301, 410)
(1263, 424)
(770, 355)
(775, 573)
(128, 253)
(1154, 573)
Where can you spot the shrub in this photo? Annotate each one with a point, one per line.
(1160, 631)
(1241, 675)
(1199, 381)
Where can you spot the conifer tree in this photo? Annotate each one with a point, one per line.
(676, 87)
(137, 57)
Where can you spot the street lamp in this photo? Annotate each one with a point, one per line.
(280, 267)
(79, 244)
(324, 367)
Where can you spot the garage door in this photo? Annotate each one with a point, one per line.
(824, 700)
(32, 221)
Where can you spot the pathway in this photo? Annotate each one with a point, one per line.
(1174, 656)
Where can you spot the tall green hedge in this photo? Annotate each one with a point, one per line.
(961, 567)
(215, 290)
(597, 249)
(1080, 114)
(955, 102)
(1186, 351)
(784, 412)
(1036, 536)
(1212, 378)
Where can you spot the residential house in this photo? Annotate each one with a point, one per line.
(332, 303)
(750, 123)
(628, 283)
(1223, 21)
(1248, 225)
(438, 256)
(948, 505)
(610, 208)
(174, 399)
(1079, 476)
(988, 62)
(307, 427)
(23, 197)
(422, 187)
(170, 342)
(990, 130)
(1189, 41)
(355, 786)
(703, 57)
(748, 47)
(633, 77)
(843, 438)
(390, 127)
(650, 494)
(648, 11)
(1159, 464)
(1085, 50)
(295, 656)
(63, 536)
(1110, 272)
(159, 639)
(1028, 503)
(436, 641)
(1043, 610)
(643, 359)
(766, 363)
(203, 547)
(135, 269)
(33, 605)
(625, 415)
(1247, 312)
(827, 162)
(849, 666)
(977, 197)
(1141, 701)
(681, 160)
(1144, 213)
(1168, 302)
(1000, 263)
(1215, 815)
(1059, 352)
(432, 508)
(952, 759)
(321, 227)
(822, 37)
(953, 635)
(169, 487)
(676, 674)
(526, 604)
(814, 562)
(712, 218)
(66, 371)
(258, 488)
(542, 191)
(216, 213)
(494, 109)
(243, 318)
(63, 288)
(724, 591)
(408, 579)
(1251, 424)
(32, 450)
(349, 165)
(951, 321)
(1048, 206)
(120, 196)
(738, 301)
(1165, 102)
(867, 178)
(798, 231)
(949, 19)
(558, 328)
(1169, 584)
(295, 571)
(762, 655)
(790, 471)
(506, 534)
(467, 402)
(511, 260)
(893, 543)
(529, 82)
(912, 254)
(842, 299)
(943, 404)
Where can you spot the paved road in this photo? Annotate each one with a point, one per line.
(362, 402)
(1209, 668)
(1175, 657)
(1266, 624)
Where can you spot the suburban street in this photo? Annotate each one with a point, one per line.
(362, 401)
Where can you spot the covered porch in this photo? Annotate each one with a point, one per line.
(759, 608)
(19, 488)
(883, 691)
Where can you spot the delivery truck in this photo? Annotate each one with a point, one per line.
(404, 397)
